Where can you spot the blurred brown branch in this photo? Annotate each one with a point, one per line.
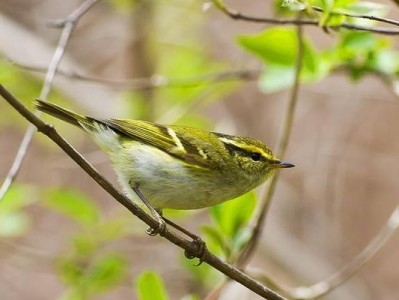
(189, 246)
(68, 24)
(288, 121)
(153, 82)
(323, 287)
(237, 15)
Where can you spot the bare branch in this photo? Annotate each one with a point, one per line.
(250, 247)
(324, 287)
(189, 246)
(236, 15)
(69, 25)
(321, 288)
(368, 17)
(155, 81)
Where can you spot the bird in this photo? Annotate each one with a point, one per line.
(174, 166)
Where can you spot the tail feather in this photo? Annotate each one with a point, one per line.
(64, 114)
(104, 135)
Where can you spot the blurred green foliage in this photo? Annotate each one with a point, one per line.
(179, 57)
(25, 87)
(230, 232)
(87, 265)
(358, 53)
(277, 48)
(14, 220)
(86, 276)
(150, 286)
(73, 205)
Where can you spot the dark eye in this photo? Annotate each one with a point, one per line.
(255, 156)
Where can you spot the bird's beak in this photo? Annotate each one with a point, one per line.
(283, 165)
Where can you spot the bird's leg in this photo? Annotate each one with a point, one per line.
(156, 214)
(197, 241)
(181, 229)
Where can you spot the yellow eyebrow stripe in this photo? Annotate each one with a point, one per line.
(250, 148)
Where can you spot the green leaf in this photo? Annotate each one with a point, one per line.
(70, 270)
(14, 224)
(149, 286)
(241, 238)
(74, 205)
(216, 213)
(343, 3)
(89, 275)
(293, 5)
(335, 20)
(364, 8)
(280, 9)
(275, 78)
(85, 244)
(386, 61)
(358, 41)
(106, 272)
(235, 213)
(332, 4)
(327, 4)
(18, 197)
(215, 240)
(277, 45)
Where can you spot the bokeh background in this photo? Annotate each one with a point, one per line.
(344, 144)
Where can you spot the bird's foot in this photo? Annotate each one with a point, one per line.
(159, 229)
(200, 251)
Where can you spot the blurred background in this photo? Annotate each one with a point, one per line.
(63, 237)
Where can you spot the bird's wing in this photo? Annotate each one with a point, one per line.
(162, 137)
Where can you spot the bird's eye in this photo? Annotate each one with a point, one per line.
(255, 156)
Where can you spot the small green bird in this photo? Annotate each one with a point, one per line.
(175, 166)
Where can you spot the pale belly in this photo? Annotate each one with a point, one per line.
(168, 183)
(165, 181)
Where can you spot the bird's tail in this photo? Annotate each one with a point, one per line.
(65, 114)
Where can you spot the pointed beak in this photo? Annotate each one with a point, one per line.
(283, 165)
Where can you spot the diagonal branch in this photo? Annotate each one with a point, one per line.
(69, 25)
(189, 246)
(250, 247)
(236, 15)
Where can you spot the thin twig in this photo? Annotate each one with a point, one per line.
(155, 81)
(189, 246)
(214, 294)
(324, 287)
(69, 25)
(321, 288)
(175, 113)
(250, 247)
(368, 17)
(236, 15)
